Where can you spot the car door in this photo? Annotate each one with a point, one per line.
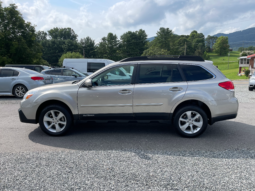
(68, 75)
(108, 98)
(6, 79)
(158, 87)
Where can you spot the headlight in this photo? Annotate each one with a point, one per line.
(29, 94)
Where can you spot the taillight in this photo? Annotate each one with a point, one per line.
(227, 85)
(37, 78)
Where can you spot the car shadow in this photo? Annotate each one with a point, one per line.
(143, 139)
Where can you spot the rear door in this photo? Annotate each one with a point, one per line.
(7, 76)
(158, 88)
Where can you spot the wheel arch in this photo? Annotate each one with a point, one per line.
(194, 102)
(51, 102)
(17, 85)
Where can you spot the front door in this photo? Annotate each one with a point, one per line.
(109, 97)
(158, 88)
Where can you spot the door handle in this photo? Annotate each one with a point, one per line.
(175, 89)
(125, 92)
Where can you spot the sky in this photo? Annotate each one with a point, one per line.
(96, 18)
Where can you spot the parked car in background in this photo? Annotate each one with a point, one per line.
(64, 74)
(86, 65)
(252, 82)
(37, 68)
(17, 81)
(186, 91)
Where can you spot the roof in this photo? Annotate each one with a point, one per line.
(179, 57)
(251, 56)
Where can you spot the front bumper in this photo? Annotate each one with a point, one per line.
(23, 118)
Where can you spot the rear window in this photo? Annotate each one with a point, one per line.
(94, 66)
(158, 73)
(54, 72)
(195, 73)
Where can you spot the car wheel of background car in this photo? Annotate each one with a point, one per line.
(250, 89)
(19, 91)
(55, 120)
(190, 121)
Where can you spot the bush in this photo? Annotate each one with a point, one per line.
(69, 55)
(247, 73)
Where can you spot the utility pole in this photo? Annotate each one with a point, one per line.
(185, 49)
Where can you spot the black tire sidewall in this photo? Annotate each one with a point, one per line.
(15, 89)
(64, 111)
(190, 108)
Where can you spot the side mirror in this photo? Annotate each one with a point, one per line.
(88, 83)
(74, 75)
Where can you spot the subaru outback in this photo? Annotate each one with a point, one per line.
(187, 92)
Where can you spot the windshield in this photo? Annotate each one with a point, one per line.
(79, 72)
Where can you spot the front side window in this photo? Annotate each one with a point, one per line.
(6, 73)
(94, 66)
(195, 73)
(159, 73)
(121, 75)
(67, 72)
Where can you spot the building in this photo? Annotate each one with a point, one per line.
(247, 61)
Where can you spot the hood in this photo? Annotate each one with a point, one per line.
(63, 85)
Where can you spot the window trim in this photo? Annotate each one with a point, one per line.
(214, 76)
(138, 71)
(126, 64)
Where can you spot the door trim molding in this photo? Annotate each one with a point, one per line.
(108, 105)
(149, 104)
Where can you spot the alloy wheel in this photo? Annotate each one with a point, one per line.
(20, 91)
(54, 121)
(190, 122)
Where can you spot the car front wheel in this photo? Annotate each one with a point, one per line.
(190, 121)
(250, 88)
(55, 120)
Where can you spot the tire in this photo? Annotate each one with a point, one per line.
(250, 89)
(186, 126)
(55, 126)
(19, 91)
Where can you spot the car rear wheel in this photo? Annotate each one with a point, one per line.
(250, 88)
(55, 120)
(19, 91)
(190, 121)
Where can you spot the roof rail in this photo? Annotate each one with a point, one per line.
(180, 57)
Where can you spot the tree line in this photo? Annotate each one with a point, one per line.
(21, 44)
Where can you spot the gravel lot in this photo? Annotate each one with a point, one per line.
(128, 156)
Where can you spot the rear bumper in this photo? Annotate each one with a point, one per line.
(23, 118)
(221, 118)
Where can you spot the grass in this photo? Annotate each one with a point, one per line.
(229, 69)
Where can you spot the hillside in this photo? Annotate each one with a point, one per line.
(244, 38)
(222, 63)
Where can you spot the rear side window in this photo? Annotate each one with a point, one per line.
(94, 66)
(7, 73)
(195, 73)
(53, 72)
(159, 73)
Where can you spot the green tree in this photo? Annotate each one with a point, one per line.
(41, 35)
(62, 34)
(133, 43)
(108, 47)
(89, 47)
(221, 47)
(155, 52)
(210, 41)
(69, 55)
(198, 43)
(17, 38)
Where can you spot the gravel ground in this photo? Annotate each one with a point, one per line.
(133, 157)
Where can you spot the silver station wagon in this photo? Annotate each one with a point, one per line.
(186, 91)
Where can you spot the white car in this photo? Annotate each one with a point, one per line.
(86, 65)
(252, 82)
